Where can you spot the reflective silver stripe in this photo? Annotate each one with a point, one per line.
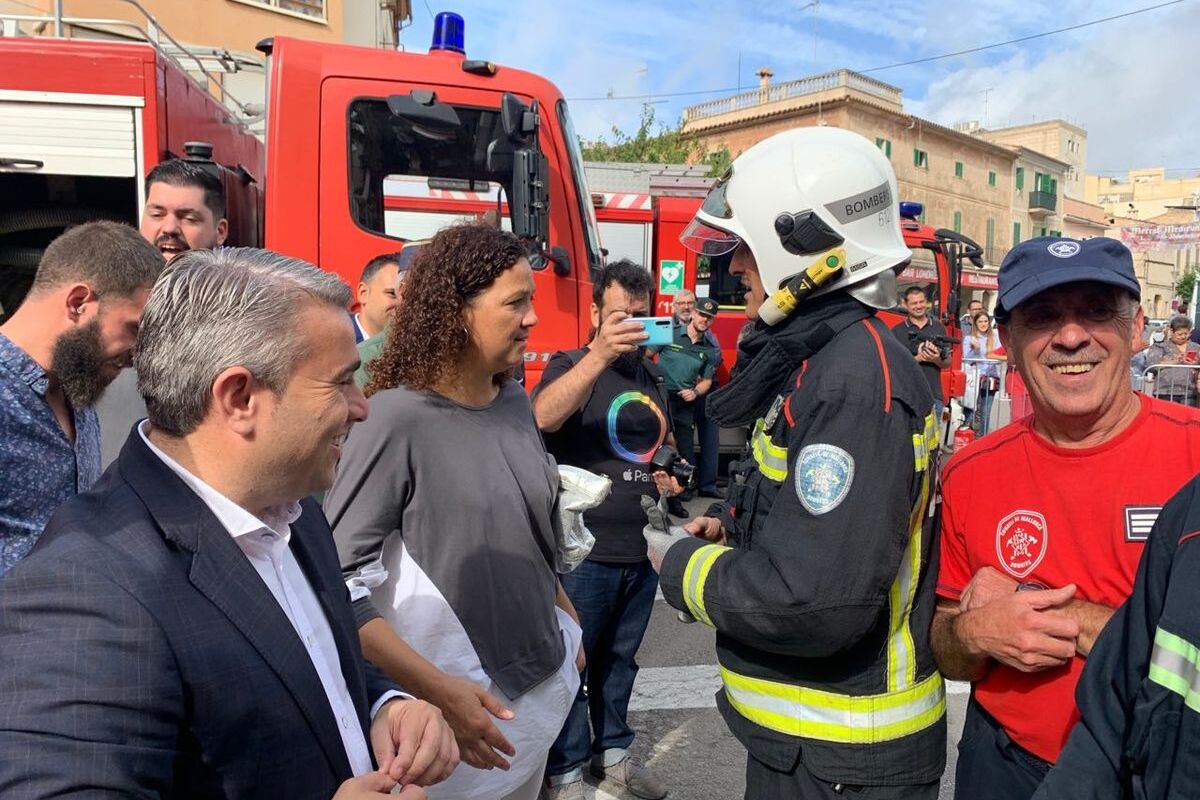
(1175, 665)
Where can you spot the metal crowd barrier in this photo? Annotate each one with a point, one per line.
(1176, 383)
(1000, 412)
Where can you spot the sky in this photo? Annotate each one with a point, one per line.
(1131, 83)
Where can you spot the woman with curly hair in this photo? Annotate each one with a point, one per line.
(442, 512)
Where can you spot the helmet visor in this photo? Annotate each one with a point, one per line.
(703, 239)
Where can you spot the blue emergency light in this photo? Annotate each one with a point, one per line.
(911, 210)
(448, 32)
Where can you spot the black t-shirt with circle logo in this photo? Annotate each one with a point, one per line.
(622, 423)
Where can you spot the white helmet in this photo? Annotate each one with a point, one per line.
(798, 196)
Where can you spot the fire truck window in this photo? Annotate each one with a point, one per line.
(409, 182)
(712, 272)
(923, 272)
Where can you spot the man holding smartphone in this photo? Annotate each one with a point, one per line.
(604, 408)
(917, 332)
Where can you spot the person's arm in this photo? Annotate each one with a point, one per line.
(92, 701)
(556, 400)
(814, 584)
(703, 386)
(1095, 762)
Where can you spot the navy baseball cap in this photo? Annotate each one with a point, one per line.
(1039, 264)
(706, 306)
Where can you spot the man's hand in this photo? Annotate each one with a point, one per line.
(616, 337)
(580, 659)
(468, 710)
(707, 528)
(376, 786)
(667, 484)
(413, 743)
(927, 352)
(988, 584)
(1028, 631)
(687, 395)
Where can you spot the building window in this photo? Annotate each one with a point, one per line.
(1016, 233)
(958, 169)
(991, 179)
(885, 145)
(1056, 234)
(1020, 178)
(958, 222)
(314, 9)
(1045, 183)
(989, 250)
(920, 158)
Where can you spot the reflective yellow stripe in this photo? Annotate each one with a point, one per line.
(902, 662)
(925, 443)
(694, 577)
(1175, 665)
(770, 457)
(830, 717)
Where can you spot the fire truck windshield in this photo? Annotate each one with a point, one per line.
(409, 181)
(587, 213)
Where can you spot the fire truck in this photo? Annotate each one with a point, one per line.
(346, 128)
(364, 149)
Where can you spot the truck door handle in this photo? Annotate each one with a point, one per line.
(22, 163)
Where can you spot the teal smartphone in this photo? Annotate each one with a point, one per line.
(659, 330)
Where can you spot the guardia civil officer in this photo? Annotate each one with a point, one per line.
(815, 569)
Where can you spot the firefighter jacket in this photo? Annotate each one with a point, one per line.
(823, 601)
(1139, 694)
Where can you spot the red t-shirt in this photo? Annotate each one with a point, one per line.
(1055, 516)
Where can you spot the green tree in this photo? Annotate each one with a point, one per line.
(654, 143)
(1183, 286)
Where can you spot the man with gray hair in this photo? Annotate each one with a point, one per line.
(58, 353)
(183, 628)
(1177, 378)
(1044, 520)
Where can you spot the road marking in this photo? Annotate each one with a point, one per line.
(677, 688)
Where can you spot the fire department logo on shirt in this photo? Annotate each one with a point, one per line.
(1021, 540)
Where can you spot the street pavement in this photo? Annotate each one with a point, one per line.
(681, 736)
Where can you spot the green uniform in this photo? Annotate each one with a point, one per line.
(368, 351)
(684, 362)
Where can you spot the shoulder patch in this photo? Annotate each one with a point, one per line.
(823, 473)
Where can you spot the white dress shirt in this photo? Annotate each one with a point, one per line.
(265, 543)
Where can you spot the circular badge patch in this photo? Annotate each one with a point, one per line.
(1063, 249)
(824, 473)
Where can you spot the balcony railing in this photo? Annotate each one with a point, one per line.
(842, 78)
(1042, 201)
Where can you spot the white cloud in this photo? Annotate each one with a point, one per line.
(1130, 85)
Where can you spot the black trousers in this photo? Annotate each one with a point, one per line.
(991, 765)
(683, 425)
(765, 783)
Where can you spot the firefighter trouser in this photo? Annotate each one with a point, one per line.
(765, 783)
(992, 765)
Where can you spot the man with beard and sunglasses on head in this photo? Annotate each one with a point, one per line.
(604, 408)
(58, 352)
(185, 210)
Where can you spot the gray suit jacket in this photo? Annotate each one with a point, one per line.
(142, 655)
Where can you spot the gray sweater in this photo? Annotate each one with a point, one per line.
(471, 493)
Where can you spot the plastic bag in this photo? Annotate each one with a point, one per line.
(578, 491)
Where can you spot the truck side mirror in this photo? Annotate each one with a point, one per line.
(520, 122)
(530, 196)
(424, 112)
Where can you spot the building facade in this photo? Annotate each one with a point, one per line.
(1056, 138)
(1143, 194)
